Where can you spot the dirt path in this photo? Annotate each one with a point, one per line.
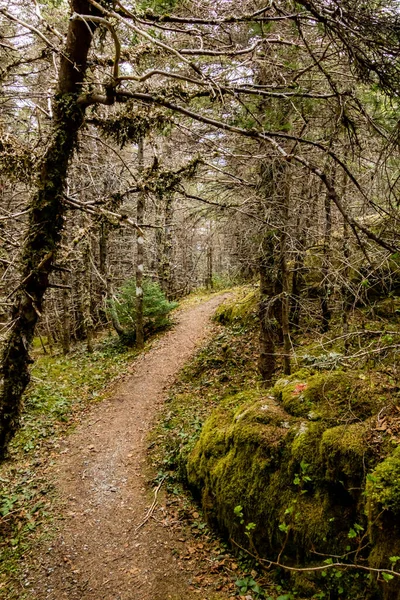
(100, 552)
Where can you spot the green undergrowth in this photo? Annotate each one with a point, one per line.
(62, 388)
(305, 473)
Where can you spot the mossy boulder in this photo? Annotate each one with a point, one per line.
(327, 395)
(383, 508)
(300, 481)
(241, 310)
(275, 464)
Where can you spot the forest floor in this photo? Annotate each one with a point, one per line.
(114, 537)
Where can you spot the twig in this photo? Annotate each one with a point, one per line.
(152, 507)
(317, 568)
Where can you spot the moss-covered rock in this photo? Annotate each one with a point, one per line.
(383, 508)
(300, 481)
(242, 309)
(328, 395)
(281, 469)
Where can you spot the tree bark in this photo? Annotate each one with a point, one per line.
(167, 248)
(103, 270)
(66, 316)
(325, 270)
(140, 255)
(285, 277)
(85, 296)
(266, 361)
(45, 224)
(209, 265)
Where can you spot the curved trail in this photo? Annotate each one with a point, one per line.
(100, 552)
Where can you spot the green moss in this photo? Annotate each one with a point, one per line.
(306, 444)
(383, 486)
(299, 481)
(383, 509)
(243, 309)
(327, 395)
(345, 452)
(267, 461)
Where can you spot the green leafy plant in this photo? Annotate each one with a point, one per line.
(355, 531)
(248, 584)
(238, 510)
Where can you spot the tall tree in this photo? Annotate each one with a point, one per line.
(45, 221)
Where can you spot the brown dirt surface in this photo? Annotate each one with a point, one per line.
(111, 544)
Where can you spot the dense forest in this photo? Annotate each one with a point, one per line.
(156, 148)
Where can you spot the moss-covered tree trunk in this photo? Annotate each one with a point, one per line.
(46, 222)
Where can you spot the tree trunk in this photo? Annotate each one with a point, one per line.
(325, 286)
(346, 303)
(209, 274)
(66, 316)
(45, 223)
(285, 278)
(140, 255)
(266, 361)
(103, 270)
(345, 291)
(295, 309)
(85, 296)
(298, 282)
(167, 247)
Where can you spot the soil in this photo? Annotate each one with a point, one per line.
(112, 542)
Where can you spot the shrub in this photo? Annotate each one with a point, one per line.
(155, 307)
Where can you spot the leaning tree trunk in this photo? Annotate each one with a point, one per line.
(45, 224)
